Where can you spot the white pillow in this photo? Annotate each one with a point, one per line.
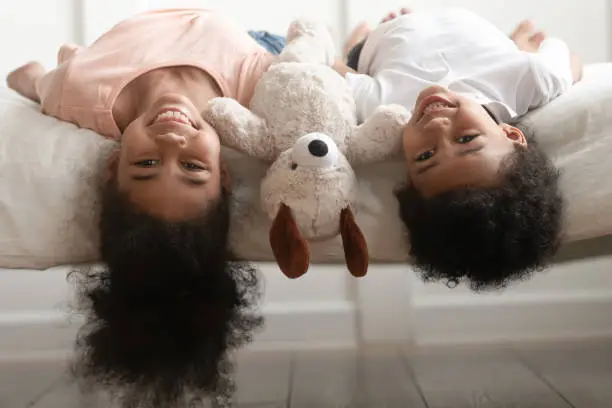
(49, 172)
(576, 130)
(48, 178)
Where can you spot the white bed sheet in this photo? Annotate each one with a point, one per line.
(49, 171)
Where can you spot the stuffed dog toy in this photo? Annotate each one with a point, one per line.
(302, 120)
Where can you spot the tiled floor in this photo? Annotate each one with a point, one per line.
(575, 375)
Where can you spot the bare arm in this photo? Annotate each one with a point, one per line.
(341, 68)
(23, 80)
(577, 67)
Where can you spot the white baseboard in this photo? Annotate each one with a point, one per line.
(34, 317)
(321, 325)
(535, 317)
(571, 301)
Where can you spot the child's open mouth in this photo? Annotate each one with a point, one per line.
(173, 115)
(434, 104)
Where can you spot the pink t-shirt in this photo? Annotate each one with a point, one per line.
(86, 83)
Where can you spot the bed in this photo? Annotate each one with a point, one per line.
(49, 174)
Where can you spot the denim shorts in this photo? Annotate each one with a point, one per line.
(271, 42)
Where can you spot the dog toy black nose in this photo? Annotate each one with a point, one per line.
(318, 148)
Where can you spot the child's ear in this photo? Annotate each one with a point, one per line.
(514, 134)
(226, 178)
(111, 165)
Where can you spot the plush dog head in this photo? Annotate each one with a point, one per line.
(307, 191)
(302, 120)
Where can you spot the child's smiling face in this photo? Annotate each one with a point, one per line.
(169, 163)
(452, 142)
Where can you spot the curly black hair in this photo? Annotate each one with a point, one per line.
(165, 308)
(488, 237)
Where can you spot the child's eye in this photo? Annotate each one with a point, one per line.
(466, 139)
(425, 156)
(147, 163)
(192, 166)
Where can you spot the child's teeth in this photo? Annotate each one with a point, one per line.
(173, 115)
(434, 106)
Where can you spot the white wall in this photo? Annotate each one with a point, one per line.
(34, 29)
(26, 35)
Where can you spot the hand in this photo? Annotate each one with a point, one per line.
(526, 37)
(363, 29)
(392, 15)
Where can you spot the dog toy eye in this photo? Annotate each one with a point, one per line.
(315, 150)
(294, 166)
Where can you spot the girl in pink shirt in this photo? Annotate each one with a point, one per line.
(169, 303)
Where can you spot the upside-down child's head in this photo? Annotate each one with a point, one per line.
(169, 164)
(482, 203)
(165, 307)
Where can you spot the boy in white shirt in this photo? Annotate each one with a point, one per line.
(482, 202)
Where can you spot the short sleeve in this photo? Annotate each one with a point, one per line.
(252, 68)
(49, 89)
(551, 67)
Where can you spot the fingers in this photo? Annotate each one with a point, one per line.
(537, 38)
(388, 17)
(526, 37)
(523, 29)
(392, 15)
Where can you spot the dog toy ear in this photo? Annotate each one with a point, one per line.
(288, 245)
(355, 247)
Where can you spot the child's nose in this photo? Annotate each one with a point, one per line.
(440, 127)
(172, 139)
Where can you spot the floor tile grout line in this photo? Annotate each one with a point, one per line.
(541, 377)
(57, 381)
(292, 360)
(411, 374)
(358, 378)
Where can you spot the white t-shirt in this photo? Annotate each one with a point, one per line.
(460, 50)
